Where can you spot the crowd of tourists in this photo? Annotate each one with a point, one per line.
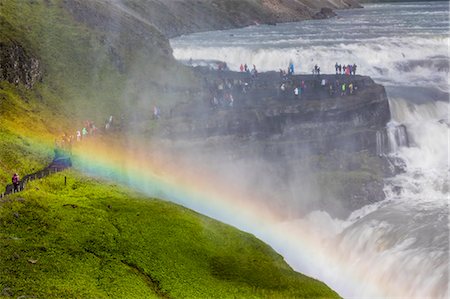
(244, 68)
(349, 69)
(221, 90)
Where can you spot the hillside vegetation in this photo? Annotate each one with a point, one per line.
(63, 62)
(93, 239)
(88, 71)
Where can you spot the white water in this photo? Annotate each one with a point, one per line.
(398, 248)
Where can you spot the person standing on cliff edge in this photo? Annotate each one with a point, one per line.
(291, 68)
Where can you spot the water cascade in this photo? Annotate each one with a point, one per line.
(399, 247)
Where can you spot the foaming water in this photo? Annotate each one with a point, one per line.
(393, 43)
(397, 248)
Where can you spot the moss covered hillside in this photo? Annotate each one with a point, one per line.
(92, 239)
(63, 62)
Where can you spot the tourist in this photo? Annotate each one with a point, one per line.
(156, 113)
(254, 72)
(330, 90)
(16, 181)
(336, 66)
(316, 70)
(78, 136)
(348, 70)
(343, 89)
(350, 88)
(291, 68)
(84, 132)
(354, 69)
(109, 123)
(296, 91)
(94, 130)
(241, 68)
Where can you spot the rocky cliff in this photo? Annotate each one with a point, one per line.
(321, 140)
(179, 17)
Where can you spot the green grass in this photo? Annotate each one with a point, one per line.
(93, 239)
(80, 79)
(27, 131)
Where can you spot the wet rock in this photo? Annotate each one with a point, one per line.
(324, 13)
(32, 261)
(73, 206)
(7, 292)
(18, 66)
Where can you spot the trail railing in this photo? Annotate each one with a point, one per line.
(58, 164)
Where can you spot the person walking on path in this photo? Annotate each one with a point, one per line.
(16, 182)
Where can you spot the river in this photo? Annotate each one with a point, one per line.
(397, 248)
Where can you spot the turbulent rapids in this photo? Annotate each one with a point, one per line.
(398, 247)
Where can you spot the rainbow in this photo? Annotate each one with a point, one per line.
(158, 175)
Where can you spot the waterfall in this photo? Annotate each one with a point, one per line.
(391, 139)
(396, 136)
(398, 247)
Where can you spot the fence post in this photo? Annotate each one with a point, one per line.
(65, 180)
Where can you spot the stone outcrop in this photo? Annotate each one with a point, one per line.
(17, 66)
(327, 138)
(324, 13)
(264, 111)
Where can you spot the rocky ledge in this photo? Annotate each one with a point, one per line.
(324, 140)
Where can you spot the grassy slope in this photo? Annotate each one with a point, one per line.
(81, 79)
(27, 131)
(93, 239)
(137, 248)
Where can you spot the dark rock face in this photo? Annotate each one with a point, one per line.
(174, 18)
(315, 118)
(127, 28)
(324, 13)
(17, 66)
(321, 142)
